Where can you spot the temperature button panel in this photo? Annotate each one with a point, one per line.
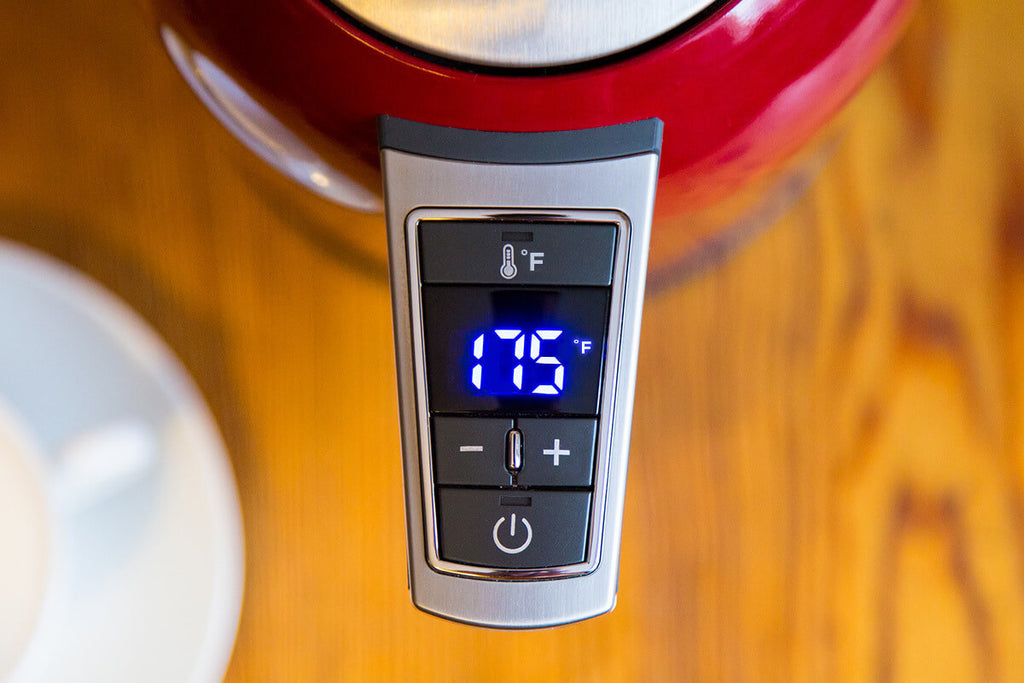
(475, 451)
(510, 252)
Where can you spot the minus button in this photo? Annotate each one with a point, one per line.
(466, 451)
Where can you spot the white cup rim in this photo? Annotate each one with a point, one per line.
(52, 605)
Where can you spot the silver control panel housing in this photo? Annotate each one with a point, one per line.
(619, 190)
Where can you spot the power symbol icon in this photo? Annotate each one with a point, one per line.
(512, 533)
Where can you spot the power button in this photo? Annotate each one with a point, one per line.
(510, 529)
(515, 546)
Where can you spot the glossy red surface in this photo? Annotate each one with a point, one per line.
(739, 93)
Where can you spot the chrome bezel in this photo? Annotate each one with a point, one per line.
(607, 394)
(623, 184)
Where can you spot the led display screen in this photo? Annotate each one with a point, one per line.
(514, 349)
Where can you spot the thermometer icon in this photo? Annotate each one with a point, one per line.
(508, 266)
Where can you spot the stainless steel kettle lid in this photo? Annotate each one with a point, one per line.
(522, 33)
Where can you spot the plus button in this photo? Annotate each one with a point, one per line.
(555, 451)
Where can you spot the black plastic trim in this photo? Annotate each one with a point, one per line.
(546, 147)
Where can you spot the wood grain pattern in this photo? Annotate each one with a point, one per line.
(827, 480)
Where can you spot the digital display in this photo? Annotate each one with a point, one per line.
(503, 367)
(518, 349)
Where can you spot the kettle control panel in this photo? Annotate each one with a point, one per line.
(517, 270)
(514, 357)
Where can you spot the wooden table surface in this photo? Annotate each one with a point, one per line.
(827, 481)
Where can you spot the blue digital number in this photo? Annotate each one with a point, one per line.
(558, 378)
(496, 373)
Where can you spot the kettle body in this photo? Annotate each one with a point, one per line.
(739, 84)
(520, 147)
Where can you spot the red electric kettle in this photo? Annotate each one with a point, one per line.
(521, 146)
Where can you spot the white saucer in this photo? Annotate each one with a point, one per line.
(162, 604)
